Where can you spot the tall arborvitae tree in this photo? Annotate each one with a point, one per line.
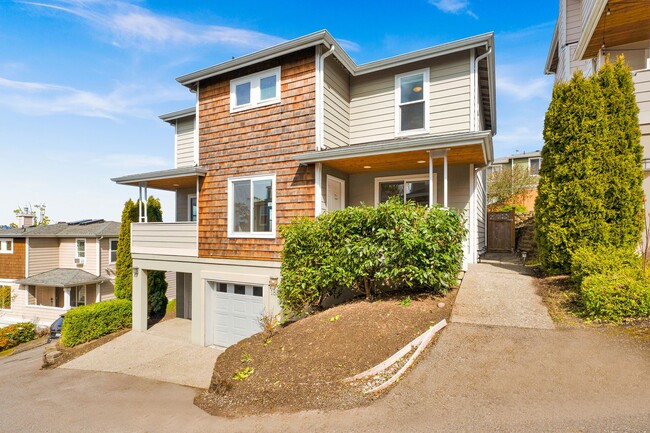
(590, 181)
(124, 262)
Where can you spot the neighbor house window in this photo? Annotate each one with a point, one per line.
(412, 102)
(45, 296)
(112, 250)
(6, 246)
(494, 169)
(251, 207)
(533, 166)
(80, 253)
(414, 188)
(77, 296)
(5, 297)
(255, 90)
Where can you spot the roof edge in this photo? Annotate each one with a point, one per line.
(179, 114)
(552, 51)
(162, 174)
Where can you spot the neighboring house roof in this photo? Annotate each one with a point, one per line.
(82, 228)
(62, 277)
(323, 37)
(180, 114)
(507, 159)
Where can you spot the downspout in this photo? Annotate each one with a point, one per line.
(320, 112)
(478, 59)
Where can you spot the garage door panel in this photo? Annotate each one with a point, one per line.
(233, 316)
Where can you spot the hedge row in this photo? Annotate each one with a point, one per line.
(13, 335)
(89, 322)
(367, 250)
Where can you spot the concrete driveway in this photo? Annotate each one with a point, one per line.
(163, 352)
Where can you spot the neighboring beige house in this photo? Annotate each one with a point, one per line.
(531, 161)
(587, 31)
(299, 129)
(50, 269)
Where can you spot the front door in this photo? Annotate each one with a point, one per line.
(335, 193)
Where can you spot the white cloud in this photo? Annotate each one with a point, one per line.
(132, 25)
(349, 46)
(41, 99)
(524, 89)
(454, 7)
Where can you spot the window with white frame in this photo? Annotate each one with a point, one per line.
(6, 246)
(6, 297)
(255, 90)
(533, 166)
(77, 296)
(251, 206)
(414, 188)
(80, 251)
(412, 102)
(112, 250)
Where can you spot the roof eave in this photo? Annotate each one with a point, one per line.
(589, 28)
(552, 52)
(159, 175)
(179, 114)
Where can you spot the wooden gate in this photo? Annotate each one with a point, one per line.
(501, 232)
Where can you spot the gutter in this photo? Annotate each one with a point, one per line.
(320, 92)
(588, 28)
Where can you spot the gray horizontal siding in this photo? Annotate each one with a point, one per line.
(185, 142)
(336, 105)
(372, 99)
(176, 239)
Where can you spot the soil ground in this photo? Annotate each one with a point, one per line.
(302, 365)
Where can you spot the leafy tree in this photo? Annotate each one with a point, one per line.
(38, 210)
(509, 184)
(590, 190)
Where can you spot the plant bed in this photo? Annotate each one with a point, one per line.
(562, 298)
(303, 365)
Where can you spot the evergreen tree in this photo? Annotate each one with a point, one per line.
(590, 181)
(156, 283)
(124, 262)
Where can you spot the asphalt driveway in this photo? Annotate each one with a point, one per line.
(477, 378)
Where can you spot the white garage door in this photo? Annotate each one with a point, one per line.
(234, 312)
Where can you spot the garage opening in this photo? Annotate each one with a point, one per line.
(233, 312)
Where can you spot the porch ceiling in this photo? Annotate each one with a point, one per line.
(627, 22)
(406, 160)
(169, 180)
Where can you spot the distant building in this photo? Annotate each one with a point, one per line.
(531, 161)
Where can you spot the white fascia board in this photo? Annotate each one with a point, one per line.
(589, 28)
(552, 51)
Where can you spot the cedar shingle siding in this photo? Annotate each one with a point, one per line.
(13, 265)
(258, 141)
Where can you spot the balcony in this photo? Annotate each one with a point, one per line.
(167, 239)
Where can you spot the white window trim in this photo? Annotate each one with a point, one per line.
(109, 251)
(427, 98)
(258, 235)
(82, 260)
(411, 177)
(539, 166)
(189, 207)
(3, 246)
(255, 96)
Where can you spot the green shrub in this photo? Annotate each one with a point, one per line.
(616, 296)
(171, 307)
(89, 322)
(368, 249)
(13, 335)
(517, 208)
(602, 260)
(156, 293)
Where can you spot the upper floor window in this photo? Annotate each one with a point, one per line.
(80, 253)
(533, 166)
(6, 246)
(256, 90)
(112, 250)
(251, 207)
(412, 102)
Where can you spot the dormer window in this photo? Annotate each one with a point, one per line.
(255, 90)
(412, 102)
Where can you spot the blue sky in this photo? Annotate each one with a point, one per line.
(82, 82)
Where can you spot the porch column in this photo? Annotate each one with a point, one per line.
(66, 298)
(444, 182)
(139, 296)
(98, 292)
(431, 203)
(142, 204)
(198, 310)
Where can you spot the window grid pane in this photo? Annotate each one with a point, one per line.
(418, 191)
(243, 93)
(411, 88)
(241, 205)
(267, 87)
(262, 205)
(390, 189)
(412, 116)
